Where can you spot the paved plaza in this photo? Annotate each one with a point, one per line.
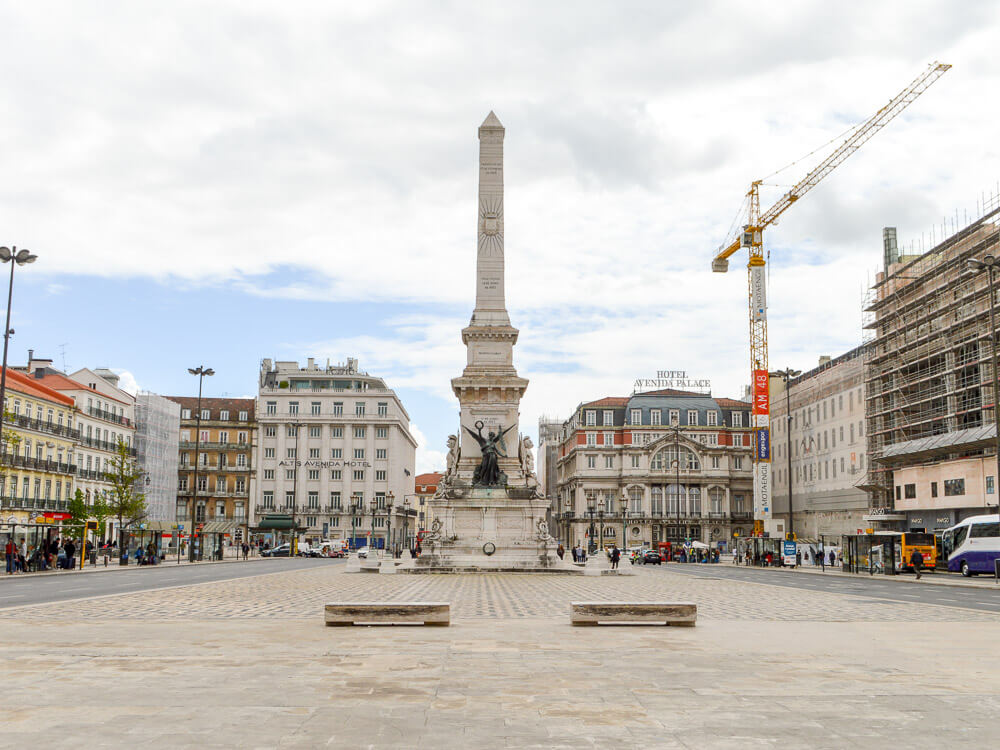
(248, 662)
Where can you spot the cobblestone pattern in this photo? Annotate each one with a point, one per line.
(302, 594)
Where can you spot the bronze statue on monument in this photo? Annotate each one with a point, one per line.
(488, 473)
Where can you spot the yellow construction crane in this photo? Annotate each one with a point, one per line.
(752, 237)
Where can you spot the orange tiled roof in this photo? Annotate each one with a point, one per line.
(431, 478)
(29, 386)
(609, 401)
(732, 403)
(60, 382)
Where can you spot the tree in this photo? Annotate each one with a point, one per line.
(10, 442)
(126, 502)
(79, 513)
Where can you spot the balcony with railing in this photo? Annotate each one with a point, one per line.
(33, 503)
(109, 417)
(208, 445)
(38, 425)
(18, 461)
(104, 445)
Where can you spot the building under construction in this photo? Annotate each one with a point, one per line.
(930, 388)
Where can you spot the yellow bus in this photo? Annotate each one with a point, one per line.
(906, 543)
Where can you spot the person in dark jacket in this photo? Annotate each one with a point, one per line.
(616, 555)
(917, 561)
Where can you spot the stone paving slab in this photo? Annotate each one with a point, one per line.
(303, 593)
(169, 669)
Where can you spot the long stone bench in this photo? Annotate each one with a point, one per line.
(668, 613)
(364, 613)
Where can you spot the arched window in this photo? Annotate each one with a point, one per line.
(715, 496)
(657, 500)
(664, 459)
(694, 500)
(675, 499)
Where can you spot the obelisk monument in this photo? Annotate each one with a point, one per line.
(488, 513)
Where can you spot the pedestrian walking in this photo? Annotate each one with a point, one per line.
(9, 555)
(560, 551)
(616, 555)
(917, 561)
(246, 550)
(70, 553)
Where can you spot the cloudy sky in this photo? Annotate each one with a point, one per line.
(214, 183)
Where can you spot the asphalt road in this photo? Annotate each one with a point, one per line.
(17, 591)
(875, 588)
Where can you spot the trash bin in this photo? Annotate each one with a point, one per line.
(93, 557)
(123, 560)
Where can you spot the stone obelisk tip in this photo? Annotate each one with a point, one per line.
(492, 121)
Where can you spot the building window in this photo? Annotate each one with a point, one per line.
(313, 500)
(315, 431)
(655, 416)
(989, 485)
(293, 407)
(336, 432)
(675, 417)
(268, 499)
(269, 453)
(715, 462)
(315, 408)
(609, 439)
(383, 408)
(335, 500)
(314, 474)
(289, 473)
(380, 475)
(591, 462)
(934, 489)
(381, 453)
(737, 462)
(635, 462)
(609, 418)
(909, 491)
(591, 418)
(336, 453)
(737, 417)
(359, 433)
(270, 431)
(381, 433)
(609, 462)
(291, 431)
(243, 416)
(359, 408)
(338, 408)
(692, 417)
(224, 415)
(289, 453)
(314, 453)
(223, 437)
(205, 414)
(636, 417)
(954, 487)
(712, 418)
(335, 474)
(268, 473)
(591, 439)
(359, 454)
(359, 475)
(289, 498)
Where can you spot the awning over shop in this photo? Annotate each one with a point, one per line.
(219, 527)
(153, 526)
(277, 522)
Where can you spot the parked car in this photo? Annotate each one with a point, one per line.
(363, 553)
(305, 550)
(652, 557)
(336, 552)
(282, 550)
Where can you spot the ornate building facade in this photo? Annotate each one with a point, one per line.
(663, 466)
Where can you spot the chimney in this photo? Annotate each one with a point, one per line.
(37, 364)
(311, 363)
(824, 360)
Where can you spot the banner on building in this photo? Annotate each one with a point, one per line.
(762, 444)
(761, 397)
(762, 490)
(758, 292)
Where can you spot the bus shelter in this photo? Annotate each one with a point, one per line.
(870, 553)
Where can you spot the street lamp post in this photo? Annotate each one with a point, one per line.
(388, 526)
(787, 374)
(600, 520)
(201, 371)
(590, 511)
(16, 258)
(371, 540)
(989, 263)
(406, 522)
(293, 543)
(624, 515)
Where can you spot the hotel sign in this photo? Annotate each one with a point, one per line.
(673, 379)
(324, 464)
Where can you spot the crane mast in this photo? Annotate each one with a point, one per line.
(751, 237)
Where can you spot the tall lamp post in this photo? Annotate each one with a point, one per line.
(624, 516)
(989, 263)
(293, 543)
(600, 521)
(16, 258)
(406, 522)
(201, 371)
(371, 541)
(675, 426)
(388, 525)
(590, 511)
(786, 375)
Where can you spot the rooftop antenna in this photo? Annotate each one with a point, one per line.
(62, 351)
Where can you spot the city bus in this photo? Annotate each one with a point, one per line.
(907, 542)
(973, 545)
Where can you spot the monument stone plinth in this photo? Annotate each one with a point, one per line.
(488, 513)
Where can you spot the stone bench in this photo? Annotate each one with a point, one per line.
(355, 613)
(668, 613)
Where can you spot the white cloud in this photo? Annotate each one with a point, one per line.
(127, 381)
(427, 459)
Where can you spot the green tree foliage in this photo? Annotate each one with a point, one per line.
(79, 513)
(126, 501)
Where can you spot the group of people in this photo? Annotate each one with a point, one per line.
(58, 553)
(769, 559)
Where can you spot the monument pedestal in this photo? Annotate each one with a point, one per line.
(488, 529)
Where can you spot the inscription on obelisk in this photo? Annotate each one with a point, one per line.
(490, 303)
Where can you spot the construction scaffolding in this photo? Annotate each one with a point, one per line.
(157, 433)
(929, 387)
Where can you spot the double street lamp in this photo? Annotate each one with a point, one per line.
(990, 264)
(388, 525)
(201, 371)
(591, 546)
(624, 501)
(371, 540)
(16, 258)
(786, 375)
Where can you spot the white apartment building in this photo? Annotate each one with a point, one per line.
(334, 450)
(828, 447)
